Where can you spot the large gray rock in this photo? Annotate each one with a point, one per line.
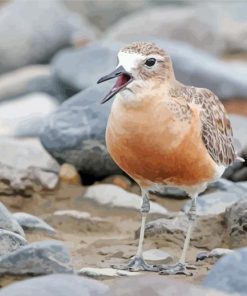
(7, 221)
(37, 258)
(56, 284)
(156, 285)
(10, 241)
(197, 26)
(38, 29)
(32, 223)
(229, 274)
(25, 116)
(79, 68)
(236, 221)
(75, 133)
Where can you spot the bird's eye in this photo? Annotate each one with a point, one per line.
(150, 62)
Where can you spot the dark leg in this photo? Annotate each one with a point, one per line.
(137, 263)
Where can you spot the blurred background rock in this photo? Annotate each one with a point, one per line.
(52, 124)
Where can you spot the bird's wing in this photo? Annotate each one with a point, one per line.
(215, 124)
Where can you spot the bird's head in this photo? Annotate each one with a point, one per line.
(138, 63)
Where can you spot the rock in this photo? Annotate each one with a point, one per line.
(37, 258)
(75, 133)
(77, 221)
(21, 179)
(23, 153)
(157, 256)
(208, 231)
(79, 68)
(32, 223)
(10, 241)
(215, 253)
(68, 174)
(236, 221)
(25, 116)
(158, 286)
(103, 14)
(113, 196)
(229, 274)
(56, 284)
(239, 126)
(215, 203)
(187, 24)
(105, 273)
(30, 79)
(235, 33)
(33, 40)
(7, 221)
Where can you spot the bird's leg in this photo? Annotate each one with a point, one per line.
(137, 263)
(181, 267)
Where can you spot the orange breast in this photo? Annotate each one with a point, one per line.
(151, 145)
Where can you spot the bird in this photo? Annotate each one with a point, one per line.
(164, 133)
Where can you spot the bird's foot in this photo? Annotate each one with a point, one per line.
(179, 268)
(137, 263)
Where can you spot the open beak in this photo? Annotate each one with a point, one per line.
(124, 78)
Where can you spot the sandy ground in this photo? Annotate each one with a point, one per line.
(101, 245)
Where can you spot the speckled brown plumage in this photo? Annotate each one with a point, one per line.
(144, 48)
(216, 127)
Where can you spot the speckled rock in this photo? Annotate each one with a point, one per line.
(10, 241)
(8, 222)
(236, 221)
(37, 258)
(56, 284)
(32, 223)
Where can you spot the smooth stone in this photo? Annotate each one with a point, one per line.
(229, 274)
(7, 221)
(56, 284)
(79, 68)
(156, 255)
(236, 221)
(104, 273)
(114, 196)
(32, 223)
(25, 116)
(214, 203)
(69, 175)
(147, 285)
(215, 253)
(22, 153)
(42, 257)
(77, 221)
(10, 241)
(33, 40)
(75, 133)
(30, 79)
(197, 26)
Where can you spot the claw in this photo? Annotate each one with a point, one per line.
(178, 268)
(137, 264)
